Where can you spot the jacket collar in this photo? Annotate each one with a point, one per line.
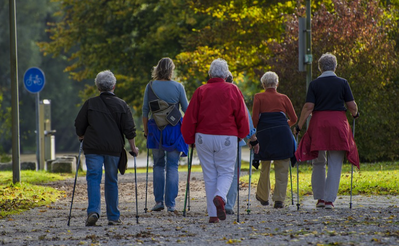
(327, 74)
(216, 80)
(107, 93)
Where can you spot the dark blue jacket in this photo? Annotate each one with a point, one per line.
(275, 137)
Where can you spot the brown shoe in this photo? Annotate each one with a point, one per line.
(213, 220)
(219, 203)
(264, 203)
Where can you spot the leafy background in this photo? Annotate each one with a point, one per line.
(71, 41)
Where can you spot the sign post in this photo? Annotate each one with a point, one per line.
(34, 81)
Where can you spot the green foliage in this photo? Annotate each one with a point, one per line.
(129, 37)
(32, 17)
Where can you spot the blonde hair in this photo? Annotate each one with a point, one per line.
(164, 69)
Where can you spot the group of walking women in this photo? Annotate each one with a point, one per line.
(216, 122)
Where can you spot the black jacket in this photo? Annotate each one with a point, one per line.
(102, 120)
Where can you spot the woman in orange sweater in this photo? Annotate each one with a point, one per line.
(269, 115)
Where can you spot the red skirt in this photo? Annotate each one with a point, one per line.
(328, 130)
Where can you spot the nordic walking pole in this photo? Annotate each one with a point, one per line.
(146, 182)
(188, 191)
(353, 131)
(238, 180)
(188, 178)
(135, 186)
(249, 186)
(297, 178)
(292, 192)
(76, 176)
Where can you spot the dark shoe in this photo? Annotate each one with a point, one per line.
(229, 211)
(219, 203)
(278, 204)
(329, 205)
(115, 222)
(320, 203)
(264, 203)
(158, 207)
(213, 220)
(92, 219)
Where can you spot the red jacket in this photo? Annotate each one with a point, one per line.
(328, 130)
(216, 108)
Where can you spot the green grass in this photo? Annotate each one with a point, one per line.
(371, 179)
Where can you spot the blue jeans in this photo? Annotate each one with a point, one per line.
(170, 160)
(94, 173)
(232, 194)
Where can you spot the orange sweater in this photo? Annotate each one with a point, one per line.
(272, 101)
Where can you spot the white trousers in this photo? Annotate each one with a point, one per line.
(327, 189)
(218, 155)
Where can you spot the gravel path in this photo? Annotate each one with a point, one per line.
(374, 220)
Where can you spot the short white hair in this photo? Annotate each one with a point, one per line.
(219, 69)
(105, 81)
(269, 79)
(327, 62)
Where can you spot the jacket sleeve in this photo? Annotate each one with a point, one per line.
(291, 113)
(127, 124)
(241, 116)
(81, 121)
(190, 119)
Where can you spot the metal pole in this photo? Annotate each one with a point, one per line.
(14, 94)
(308, 58)
(38, 149)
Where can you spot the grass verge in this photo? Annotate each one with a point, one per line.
(19, 197)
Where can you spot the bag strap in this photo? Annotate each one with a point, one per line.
(152, 96)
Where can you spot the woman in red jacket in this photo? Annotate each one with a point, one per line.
(215, 119)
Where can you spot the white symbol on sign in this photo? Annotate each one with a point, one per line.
(36, 80)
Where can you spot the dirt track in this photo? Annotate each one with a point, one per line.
(372, 221)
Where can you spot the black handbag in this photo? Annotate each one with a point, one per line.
(122, 165)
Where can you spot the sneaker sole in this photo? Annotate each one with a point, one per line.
(320, 206)
(220, 210)
(328, 207)
(91, 221)
(158, 209)
(115, 223)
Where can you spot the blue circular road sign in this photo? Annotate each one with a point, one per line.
(34, 79)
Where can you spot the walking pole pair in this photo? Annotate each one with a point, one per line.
(251, 153)
(135, 181)
(76, 176)
(190, 159)
(353, 131)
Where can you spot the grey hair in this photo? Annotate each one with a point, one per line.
(105, 81)
(269, 79)
(327, 62)
(219, 69)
